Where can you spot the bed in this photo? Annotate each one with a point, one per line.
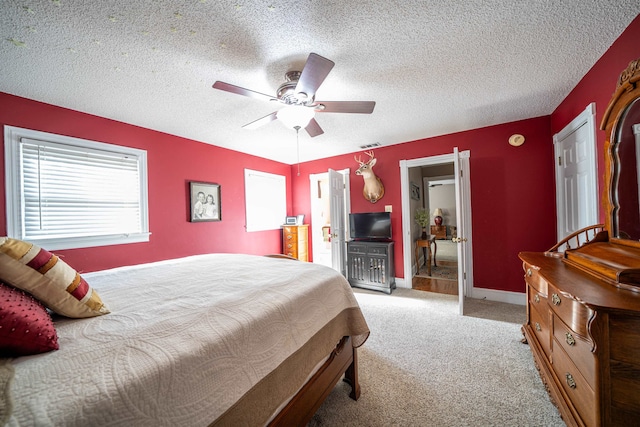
(218, 339)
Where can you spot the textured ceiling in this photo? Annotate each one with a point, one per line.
(433, 67)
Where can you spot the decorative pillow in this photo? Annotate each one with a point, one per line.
(48, 278)
(25, 325)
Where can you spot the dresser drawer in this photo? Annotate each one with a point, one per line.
(533, 278)
(539, 321)
(290, 231)
(574, 384)
(291, 246)
(357, 248)
(575, 315)
(378, 250)
(537, 299)
(577, 348)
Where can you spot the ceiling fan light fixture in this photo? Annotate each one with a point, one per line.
(298, 93)
(295, 115)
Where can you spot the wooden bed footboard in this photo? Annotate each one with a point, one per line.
(343, 360)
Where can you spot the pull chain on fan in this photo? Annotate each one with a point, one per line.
(297, 128)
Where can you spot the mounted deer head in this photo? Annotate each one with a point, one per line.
(373, 189)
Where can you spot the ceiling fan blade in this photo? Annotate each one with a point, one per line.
(361, 107)
(313, 128)
(242, 91)
(313, 74)
(261, 122)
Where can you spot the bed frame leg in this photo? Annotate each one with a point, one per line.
(351, 376)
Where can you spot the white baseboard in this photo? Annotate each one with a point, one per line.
(401, 283)
(500, 296)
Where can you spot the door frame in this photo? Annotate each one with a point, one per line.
(407, 216)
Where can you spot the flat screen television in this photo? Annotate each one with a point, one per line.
(370, 226)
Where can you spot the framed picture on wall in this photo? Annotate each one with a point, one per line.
(415, 192)
(205, 201)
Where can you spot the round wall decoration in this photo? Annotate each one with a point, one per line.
(516, 140)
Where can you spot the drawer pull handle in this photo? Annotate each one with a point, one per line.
(569, 338)
(529, 272)
(555, 299)
(538, 328)
(536, 298)
(570, 381)
(289, 236)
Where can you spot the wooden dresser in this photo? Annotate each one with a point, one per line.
(584, 334)
(583, 308)
(295, 241)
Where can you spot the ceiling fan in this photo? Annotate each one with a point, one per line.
(298, 94)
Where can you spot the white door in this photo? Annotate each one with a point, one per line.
(575, 164)
(463, 224)
(337, 189)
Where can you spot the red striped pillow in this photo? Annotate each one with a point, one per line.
(48, 278)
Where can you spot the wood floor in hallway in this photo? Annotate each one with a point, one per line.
(441, 286)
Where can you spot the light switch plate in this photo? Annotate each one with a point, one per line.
(388, 208)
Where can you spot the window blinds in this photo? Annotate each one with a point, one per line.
(265, 199)
(71, 191)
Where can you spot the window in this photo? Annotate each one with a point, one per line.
(65, 192)
(266, 200)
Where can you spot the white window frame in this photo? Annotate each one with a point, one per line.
(14, 196)
(265, 200)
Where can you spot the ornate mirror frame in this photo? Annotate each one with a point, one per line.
(627, 92)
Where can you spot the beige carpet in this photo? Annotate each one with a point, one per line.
(424, 365)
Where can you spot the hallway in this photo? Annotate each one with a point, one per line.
(444, 274)
(441, 286)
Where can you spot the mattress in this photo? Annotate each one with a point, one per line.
(189, 341)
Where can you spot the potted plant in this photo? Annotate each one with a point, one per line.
(422, 219)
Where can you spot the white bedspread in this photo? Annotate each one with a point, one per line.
(185, 339)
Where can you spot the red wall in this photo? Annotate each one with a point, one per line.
(512, 194)
(172, 163)
(598, 86)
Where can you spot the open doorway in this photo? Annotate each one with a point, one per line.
(329, 210)
(440, 272)
(320, 219)
(411, 173)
